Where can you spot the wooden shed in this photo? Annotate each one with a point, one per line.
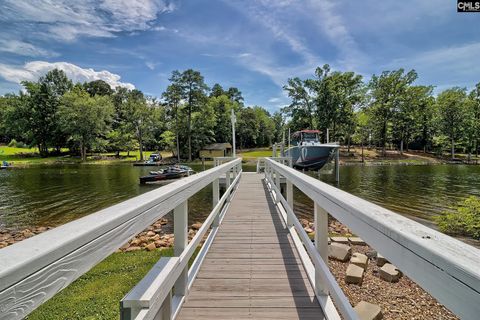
(216, 150)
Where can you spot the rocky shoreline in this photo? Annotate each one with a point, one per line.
(158, 235)
(394, 295)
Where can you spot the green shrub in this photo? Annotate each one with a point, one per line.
(13, 143)
(20, 144)
(464, 220)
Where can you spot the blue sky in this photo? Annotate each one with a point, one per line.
(253, 45)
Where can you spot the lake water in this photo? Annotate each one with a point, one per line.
(52, 195)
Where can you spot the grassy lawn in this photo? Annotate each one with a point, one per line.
(96, 294)
(259, 153)
(30, 156)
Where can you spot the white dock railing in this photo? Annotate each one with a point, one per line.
(34, 270)
(445, 267)
(220, 160)
(283, 160)
(152, 297)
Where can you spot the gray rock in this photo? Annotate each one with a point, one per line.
(339, 251)
(381, 260)
(360, 260)
(390, 273)
(354, 274)
(368, 311)
(343, 240)
(371, 254)
(356, 241)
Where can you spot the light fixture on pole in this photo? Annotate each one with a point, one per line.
(234, 120)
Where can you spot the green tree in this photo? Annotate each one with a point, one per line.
(363, 129)
(168, 141)
(203, 126)
(223, 106)
(247, 127)
(217, 91)
(279, 125)
(14, 118)
(265, 125)
(138, 118)
(451, 106)
(474, 97)
(84, 119)
(173, 97)
(301, 108)
(235, 95)
(193, 90)
(43, 103)
(387, 92)
(426, 117)
(98, 87)
(412, 107)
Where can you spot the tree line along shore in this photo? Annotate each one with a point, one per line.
(390, 111)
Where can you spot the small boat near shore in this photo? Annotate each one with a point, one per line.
(5, 165)
(154, 160)
(168, 173)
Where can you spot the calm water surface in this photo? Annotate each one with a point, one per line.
(53, 195)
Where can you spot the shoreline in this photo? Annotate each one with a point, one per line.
(401, 299)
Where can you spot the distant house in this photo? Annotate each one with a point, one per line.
(216, 150)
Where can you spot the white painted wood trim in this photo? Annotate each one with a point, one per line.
(180, 242)
(321, 244)
(445, 267)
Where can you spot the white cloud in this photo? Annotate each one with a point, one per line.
(151, 65)
(31, 71)
(68, 19)
(444, 67)
(274, 100)
(336, 30)
(24, 49)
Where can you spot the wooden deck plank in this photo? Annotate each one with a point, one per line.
(251, 313)
(252, 270)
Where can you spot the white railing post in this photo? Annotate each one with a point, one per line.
(277, 184)
(321, 243)
(180, 230)
(216, 198)
(165, 312)
(289, 192)
(227, 179)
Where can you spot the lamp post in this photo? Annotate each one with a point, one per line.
(234, 120)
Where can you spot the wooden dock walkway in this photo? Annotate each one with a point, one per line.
(250, 266)
(252, 270)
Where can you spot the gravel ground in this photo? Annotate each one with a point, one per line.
(401, 300)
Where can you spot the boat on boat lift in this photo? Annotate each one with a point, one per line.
(308, 153)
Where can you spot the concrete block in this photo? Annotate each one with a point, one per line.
(381, 260)
(368, 311)
(339, 251)
(360, 260)
(356, 241)
(343, 240)
(354, 274)
(390, 273)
